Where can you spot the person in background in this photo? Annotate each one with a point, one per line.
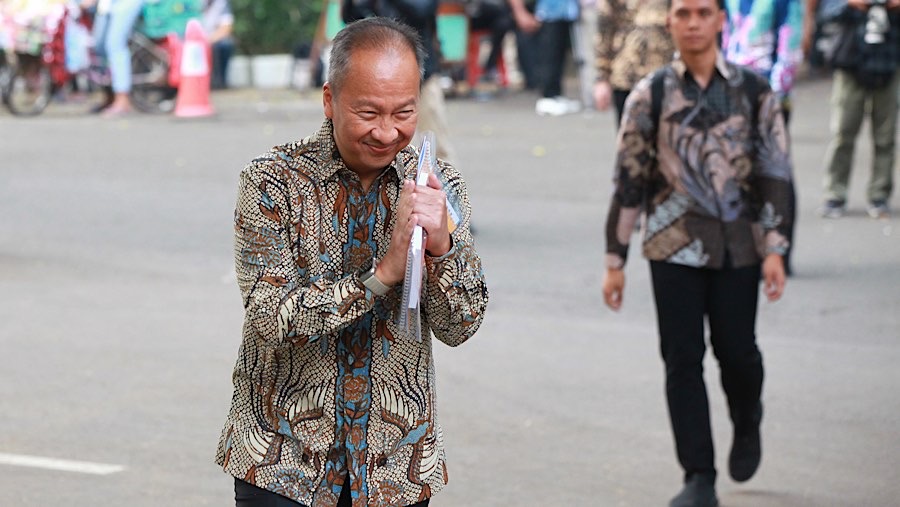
(218, 23)
(865, 56)
(766, 35)
(632, 41)
(717, 211)
(113, 24)
(551, 23)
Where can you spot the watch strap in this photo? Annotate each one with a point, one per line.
(371, 282)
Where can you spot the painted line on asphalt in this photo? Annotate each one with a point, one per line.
(83, 467)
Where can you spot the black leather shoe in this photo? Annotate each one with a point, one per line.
(746, 450)
(698, 491)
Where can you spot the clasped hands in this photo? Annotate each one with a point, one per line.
(425, 206)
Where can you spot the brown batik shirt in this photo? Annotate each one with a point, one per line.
(326, 387)
(710, 184)
(631, 41)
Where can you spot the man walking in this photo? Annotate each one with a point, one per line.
(702, 145)
(332, 404)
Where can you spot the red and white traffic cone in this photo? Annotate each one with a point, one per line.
(193, 90)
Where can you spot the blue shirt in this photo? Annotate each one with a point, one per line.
(556, 10)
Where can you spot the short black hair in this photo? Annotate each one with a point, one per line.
(720, 3)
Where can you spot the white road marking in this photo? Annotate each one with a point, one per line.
(64, 465)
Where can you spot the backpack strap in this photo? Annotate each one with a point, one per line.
(753, 89)
(657, 88)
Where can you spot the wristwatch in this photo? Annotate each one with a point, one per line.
(371, 282)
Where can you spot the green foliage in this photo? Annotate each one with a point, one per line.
(274, 26)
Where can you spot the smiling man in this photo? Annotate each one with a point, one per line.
(333, 404)
(703, 148)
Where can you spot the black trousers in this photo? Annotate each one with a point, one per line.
(619, 96)
(727, 299)
(248, 495)
(552, 46)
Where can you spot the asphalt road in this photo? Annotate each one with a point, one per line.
(120, 318)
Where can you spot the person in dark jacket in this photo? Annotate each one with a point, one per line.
(865, 56)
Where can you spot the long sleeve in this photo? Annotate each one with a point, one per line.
(280, 305)
(456, 295)
(634, 163)
(774, 174)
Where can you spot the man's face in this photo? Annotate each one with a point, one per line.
(375, 110)
(695, 25)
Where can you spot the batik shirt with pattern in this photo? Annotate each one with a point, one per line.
(710, 183)
(765, 36)
(326, 386)
(631, 41)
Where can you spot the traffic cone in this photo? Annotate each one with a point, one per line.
(193, 90)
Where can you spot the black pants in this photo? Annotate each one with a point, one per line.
(248, 495)
(552, 46)
(619, 96)
(727, 300)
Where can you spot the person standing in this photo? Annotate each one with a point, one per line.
(550, 22)
(112, 27)
(333, 403)
(712, 166)
(218, 23)
(631, 42)
(865, 57)
(765, 35)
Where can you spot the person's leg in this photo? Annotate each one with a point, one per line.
(848, 101)
(553, 41)
(527, 51)
(619, 97)
(249, 495)
(732, 302)
(122, 17)
(884, 135)
(221, 54)
(680, 293)
(501, 23)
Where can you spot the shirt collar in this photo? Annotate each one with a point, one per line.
(722, 66)
(330, 162)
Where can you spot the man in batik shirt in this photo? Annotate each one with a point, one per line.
(711, 166)
(333, 402)
(631, 42)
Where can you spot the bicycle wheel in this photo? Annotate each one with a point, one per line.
(150, 90)
(30, 87)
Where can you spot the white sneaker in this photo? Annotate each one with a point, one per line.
(556, 106)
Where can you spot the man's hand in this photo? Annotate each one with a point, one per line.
(773, 276)
(429, 209)
(613, 285)
(860, 5)
(392, 267)
(526, 21)
(602, 95)
(425, 206)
